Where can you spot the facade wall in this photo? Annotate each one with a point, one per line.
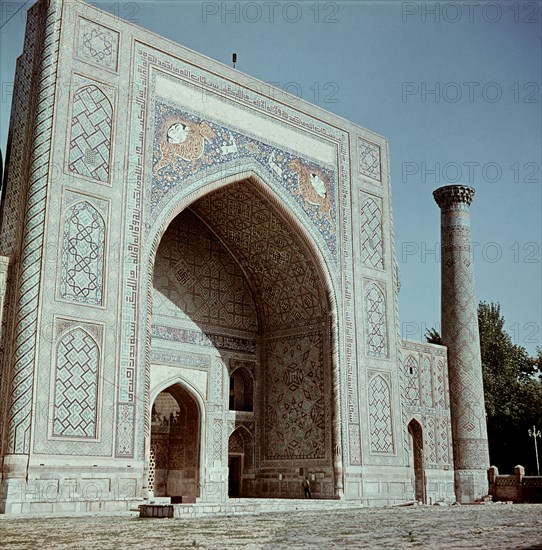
(286, 196)
(425, 398)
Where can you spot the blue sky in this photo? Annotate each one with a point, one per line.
(454, 86)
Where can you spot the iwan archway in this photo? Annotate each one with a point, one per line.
(241, 309)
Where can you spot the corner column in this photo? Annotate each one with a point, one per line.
(459, 326)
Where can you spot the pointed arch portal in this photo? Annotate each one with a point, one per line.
(175, 440)
(234, 280)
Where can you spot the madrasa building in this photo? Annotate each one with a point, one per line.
(198, 290)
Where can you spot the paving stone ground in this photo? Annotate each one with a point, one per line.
(490, 527)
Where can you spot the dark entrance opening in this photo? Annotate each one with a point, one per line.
(234, 476)
(416, 452)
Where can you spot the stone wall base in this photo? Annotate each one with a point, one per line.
(50, 488)
(470, 485)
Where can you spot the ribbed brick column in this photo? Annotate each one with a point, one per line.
(460, 334)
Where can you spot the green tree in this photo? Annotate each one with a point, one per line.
(512, 391)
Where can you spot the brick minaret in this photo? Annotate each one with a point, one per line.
(460, 334)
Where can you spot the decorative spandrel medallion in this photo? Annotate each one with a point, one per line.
(186, 146)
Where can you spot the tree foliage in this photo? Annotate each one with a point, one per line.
(512, 391)
(433, 337)
(513, 394)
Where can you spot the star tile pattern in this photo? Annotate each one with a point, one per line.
(76, 385)
(369, 159)
(196, 278)
(283, 276)
(98, 44)
(83, 255)
(295, 414)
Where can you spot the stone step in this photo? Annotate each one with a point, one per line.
(252, 506)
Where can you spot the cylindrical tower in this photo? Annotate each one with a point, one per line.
(459, 326)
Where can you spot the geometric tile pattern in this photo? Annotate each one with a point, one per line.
(427, 388)
(83, 255)
(376, 333)
(371, 235)
(444, 457)
(295, 411)
(186, 145)
(412, 389)
(199, 338)
(197, 279)
(460, 330)
(285, 283)
(431, 440)
(98, 44)
(125, 423)
(380, 416)
(152, 468)
(76, 385)
(90, 140)
(19, 417)
(440, 384)
(369, 159)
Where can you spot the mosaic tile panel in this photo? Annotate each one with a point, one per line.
(83, 248)
(282, 272)
(431, 443)
(372, 246)
(196, 279)
(376, 332)
(440, 389)
(26, 335)
(147, 59)
(152, 468)
(20, 127)
(90, 137)
(369, 162)
(76, 385)
(443, 442)
(98, 44)
(412, 389)
(427, 384)
(125, 430)
(198, 338)
(380, 423)
(354, 444)
(460, 332)
(216, 442)
(295, 401)
(186, 145)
